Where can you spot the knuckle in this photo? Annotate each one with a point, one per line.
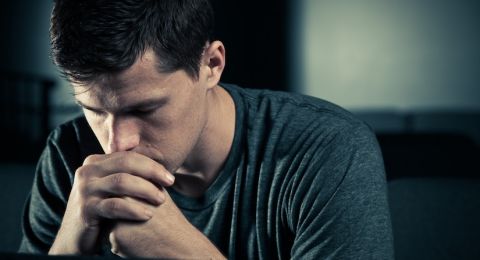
(82, 188)
(108, 209)
(119, 180)
(112, 207)
(87, 171)
(120, 161)
(127, 161)
(86, 210)
(91, 159)
(82, 172)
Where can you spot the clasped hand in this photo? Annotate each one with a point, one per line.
(125, 186)
(127, 189)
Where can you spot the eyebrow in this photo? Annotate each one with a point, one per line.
(153, 102)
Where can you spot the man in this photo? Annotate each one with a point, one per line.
(169, 163)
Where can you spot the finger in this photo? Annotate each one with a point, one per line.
(124, 184)
(133, 163)
(119, 208)
(93, 158)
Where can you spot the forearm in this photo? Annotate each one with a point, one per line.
(71, 241)
(182, 242)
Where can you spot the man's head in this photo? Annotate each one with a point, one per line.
(93, 38)
(143, 72)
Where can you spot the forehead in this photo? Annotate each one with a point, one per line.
(141, 80)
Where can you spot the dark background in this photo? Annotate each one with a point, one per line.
(255, 35)
(431, 154)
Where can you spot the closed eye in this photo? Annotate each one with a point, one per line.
(144, 108)
(142, 112)
(95, 112)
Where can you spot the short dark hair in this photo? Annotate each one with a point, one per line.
(91, 38)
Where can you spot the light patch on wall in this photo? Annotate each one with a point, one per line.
(391, 54)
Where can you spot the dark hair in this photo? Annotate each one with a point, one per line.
(91, 38)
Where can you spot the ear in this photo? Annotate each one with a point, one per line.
(213, 63)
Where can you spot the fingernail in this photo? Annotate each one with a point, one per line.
(171, 178)
(161, 197)
(148, 213)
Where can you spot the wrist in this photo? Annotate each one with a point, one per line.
(72, 240)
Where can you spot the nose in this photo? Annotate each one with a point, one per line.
(123, 135)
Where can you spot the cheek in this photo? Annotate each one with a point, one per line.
(175, 130)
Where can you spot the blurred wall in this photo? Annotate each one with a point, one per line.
(25, 39)
(25, 49)
(377, 54)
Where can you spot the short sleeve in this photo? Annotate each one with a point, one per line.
(45, 206)
(340, 207)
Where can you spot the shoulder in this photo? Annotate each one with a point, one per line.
(301, 124)
(294, 110)
(73, 141)
(70, 129)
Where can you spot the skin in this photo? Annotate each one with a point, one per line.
(152, 127)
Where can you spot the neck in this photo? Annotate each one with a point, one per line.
(211, 151)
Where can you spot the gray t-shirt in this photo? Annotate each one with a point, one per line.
(304, 179)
